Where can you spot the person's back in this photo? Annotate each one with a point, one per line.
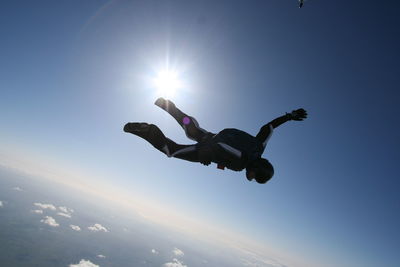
(233, 148)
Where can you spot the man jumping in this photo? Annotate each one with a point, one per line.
(230, 148)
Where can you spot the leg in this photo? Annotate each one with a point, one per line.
(152, 134)
(188, 123)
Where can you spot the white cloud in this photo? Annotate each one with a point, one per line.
(64, 214)
(258, 260)
(75, 227)
(17, 188)
(37, 211)
(84, 263)
(97, 227)
(50, 221)
(174, 263)
(1, 203)
(66, 210)
(246, 262)
(178, 252)
(154, 251)
(101, 256)
(45, 206)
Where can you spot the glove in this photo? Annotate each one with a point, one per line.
(205, 162)
(297, 115)
(205, 155)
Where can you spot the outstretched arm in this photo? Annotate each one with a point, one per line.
(266, 130)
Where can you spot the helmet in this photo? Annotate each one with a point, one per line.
(260, 169)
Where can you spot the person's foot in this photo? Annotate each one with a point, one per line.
(164, 104)
(136, 127)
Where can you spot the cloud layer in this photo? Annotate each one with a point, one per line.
(97, 227)
(174, 263)
(37, 211)
(75, 227)
(178, 252)
(49, 221)
(64, 214)
(66, 210)
(84, 263)
(45, 206)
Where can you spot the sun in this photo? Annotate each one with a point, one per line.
(167, 82)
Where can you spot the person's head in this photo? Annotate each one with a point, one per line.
(260, 170)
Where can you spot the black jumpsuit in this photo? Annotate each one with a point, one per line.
(231, 148)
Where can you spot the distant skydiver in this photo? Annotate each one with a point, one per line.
(301, 3)
(231, 148)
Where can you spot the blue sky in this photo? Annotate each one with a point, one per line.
(72, 73)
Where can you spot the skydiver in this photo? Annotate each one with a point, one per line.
(301, 3)
(231, 148)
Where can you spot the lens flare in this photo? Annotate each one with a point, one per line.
(186, 120)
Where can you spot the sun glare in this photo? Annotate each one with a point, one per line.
(167, 82)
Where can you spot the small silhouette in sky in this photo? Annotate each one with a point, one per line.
(301, 3)
(230, 148)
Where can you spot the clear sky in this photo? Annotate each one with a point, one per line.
(72, 73)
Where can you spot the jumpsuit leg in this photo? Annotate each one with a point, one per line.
(152, 134)
(189, 124)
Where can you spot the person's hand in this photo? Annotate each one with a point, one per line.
(298, 114)
(205, 155)
(205, 162)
